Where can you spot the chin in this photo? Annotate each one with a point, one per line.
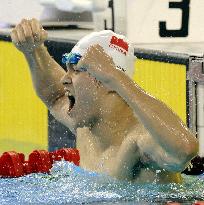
(89, 121)
(83, 114)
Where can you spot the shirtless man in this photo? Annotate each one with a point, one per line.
(121, 130)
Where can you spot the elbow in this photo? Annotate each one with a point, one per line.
(184, 159)
(180, 161)
(176, 167)
(191, 150)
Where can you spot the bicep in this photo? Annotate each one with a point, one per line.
(155, 156)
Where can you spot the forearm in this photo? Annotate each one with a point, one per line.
(46, 75)
(165, 126)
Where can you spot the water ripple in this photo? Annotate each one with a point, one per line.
(69, 184)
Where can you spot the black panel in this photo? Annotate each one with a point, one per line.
(162, 56)
(58, 135)
(197, 166)
(57, 49)
(5, 38)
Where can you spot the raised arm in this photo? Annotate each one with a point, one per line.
(168, 132)
(29, 36)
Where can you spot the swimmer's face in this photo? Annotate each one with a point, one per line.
(84, 93)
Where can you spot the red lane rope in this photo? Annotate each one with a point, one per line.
(13, 164)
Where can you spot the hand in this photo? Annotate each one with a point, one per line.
(28, 35)
(99, 65)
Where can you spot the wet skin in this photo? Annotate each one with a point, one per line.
(121, 130)
(107, 128)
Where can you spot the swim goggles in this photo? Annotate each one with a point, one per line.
(71, 58)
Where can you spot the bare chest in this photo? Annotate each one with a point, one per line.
(92, 155)
(110, 161)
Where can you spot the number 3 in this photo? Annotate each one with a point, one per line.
(183, 32)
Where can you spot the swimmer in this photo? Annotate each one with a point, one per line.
(120, 129)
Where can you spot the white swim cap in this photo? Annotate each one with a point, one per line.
(115, 45)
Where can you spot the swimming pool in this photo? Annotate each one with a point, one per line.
(69, 184)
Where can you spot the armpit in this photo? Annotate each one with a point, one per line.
(147, 161)
(158, 158)
(154, 156)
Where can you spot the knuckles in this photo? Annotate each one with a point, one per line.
(28, 34)
(29, 29)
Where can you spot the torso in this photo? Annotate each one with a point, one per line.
(104, 161)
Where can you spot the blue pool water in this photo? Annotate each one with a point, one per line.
(69, 184)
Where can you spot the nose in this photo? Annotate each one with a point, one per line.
(66, 80)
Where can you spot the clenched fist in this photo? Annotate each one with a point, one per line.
(28, 35)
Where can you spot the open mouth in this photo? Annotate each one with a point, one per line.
(71, 102)
(71, 99)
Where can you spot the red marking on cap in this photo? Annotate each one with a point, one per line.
(120, 44)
